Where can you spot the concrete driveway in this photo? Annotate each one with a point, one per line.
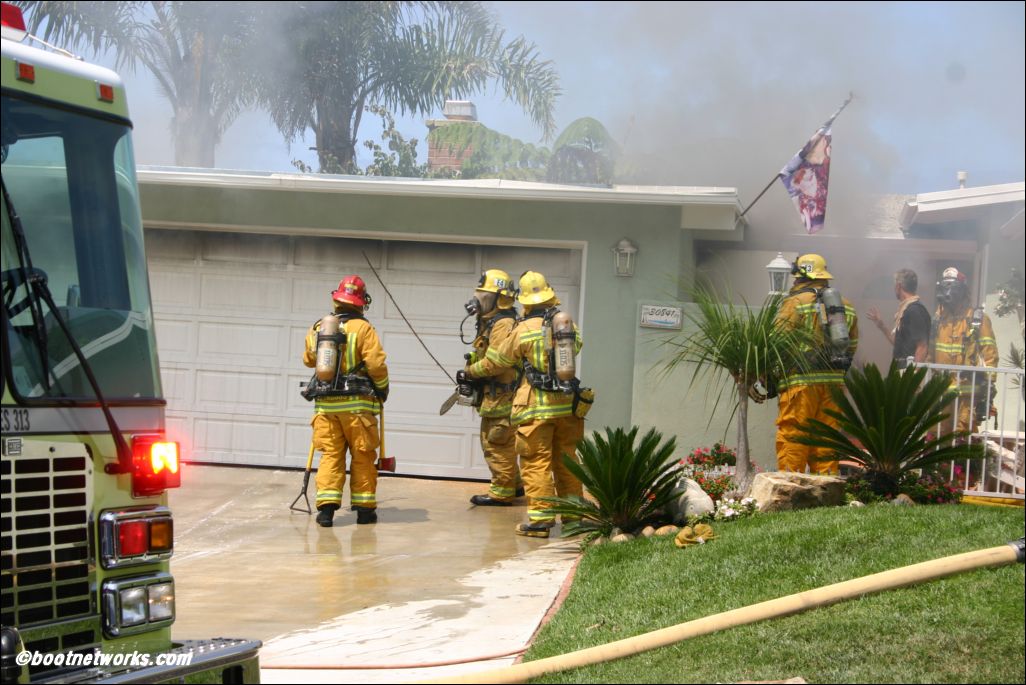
(436, 580)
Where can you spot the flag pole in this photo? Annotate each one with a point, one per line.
(777, 175)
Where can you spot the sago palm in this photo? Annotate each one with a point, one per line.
(742, 342)
(888, 425)
(628, 484)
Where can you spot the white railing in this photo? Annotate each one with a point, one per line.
(993, 412)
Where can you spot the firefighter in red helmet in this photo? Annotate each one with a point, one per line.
(348, 389)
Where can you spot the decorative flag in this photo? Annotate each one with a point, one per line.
(807, 175)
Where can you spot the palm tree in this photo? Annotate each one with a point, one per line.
(628, 485)
(744, 343)
(195, 50)
(408, 57)
(583, 153)
(889, 425)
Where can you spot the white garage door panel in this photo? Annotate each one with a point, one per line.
(177, 385)
(172, 245)
(238, 392)
(244, 248)
(237, 293)
(297, 443)
(311, 297)
(424, 453)
(175, 339)
(443, 258)
(233, 310)
(407, 355)
(173, 290)
(242, 343)
(239, 441)
(339, 255)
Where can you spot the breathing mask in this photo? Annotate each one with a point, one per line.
(952, 291)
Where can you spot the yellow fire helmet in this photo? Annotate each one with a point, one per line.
(810, 266)
(496, 281)
(534, 289)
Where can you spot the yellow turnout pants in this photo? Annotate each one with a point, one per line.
(541, 444)
(798, 405)
(332, 434)
(498, 442)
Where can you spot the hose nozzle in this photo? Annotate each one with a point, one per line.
(1020, 549)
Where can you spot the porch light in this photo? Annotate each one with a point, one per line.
(624, 257)
(779, 269)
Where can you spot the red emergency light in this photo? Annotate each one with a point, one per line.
(155, 465)
(11, 16)
(133, 538)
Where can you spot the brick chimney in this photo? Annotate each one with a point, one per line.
(440, 156)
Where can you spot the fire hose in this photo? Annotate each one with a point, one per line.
(1013, 552)
(1002, 555)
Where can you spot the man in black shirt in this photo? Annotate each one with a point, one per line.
(911, 333)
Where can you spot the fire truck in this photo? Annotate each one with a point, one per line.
(87, 535)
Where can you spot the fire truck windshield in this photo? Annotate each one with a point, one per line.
(70, 178)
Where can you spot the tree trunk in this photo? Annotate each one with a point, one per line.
(744, 474)
(336, 147)
(193, 127)
(195, 138)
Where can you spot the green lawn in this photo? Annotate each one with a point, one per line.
(966, 628)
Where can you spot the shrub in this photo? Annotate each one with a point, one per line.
(887, 426)
(928, 488)
(628, 484)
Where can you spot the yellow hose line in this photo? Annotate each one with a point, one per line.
(783, 606)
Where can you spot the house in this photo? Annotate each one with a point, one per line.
(242, 263)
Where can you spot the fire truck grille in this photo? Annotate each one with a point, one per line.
(45, 561)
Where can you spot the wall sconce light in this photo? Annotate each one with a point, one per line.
(624, 257)
(779, 269)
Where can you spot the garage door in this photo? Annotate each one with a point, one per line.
(232, 311)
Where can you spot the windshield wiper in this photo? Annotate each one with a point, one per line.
(35, 281)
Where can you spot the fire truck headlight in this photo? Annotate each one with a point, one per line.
(133, 606)
(136, 604)
(162, 601)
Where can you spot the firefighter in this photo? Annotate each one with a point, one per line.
(347, 405)
(963, 336)
(549, 404)
(496, 319)
(805, 394)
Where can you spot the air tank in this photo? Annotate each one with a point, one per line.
(563, 340)
(327, 349)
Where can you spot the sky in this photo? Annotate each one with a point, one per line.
(723, 94)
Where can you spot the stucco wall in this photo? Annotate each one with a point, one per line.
(673, 405)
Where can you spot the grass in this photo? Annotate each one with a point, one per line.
(966, 628)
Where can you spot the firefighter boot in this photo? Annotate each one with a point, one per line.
(489, 501)
(533, 530)
(325, 514)
(365, 515)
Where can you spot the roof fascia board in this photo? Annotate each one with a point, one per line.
(497, 190)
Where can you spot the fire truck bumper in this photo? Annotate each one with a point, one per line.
(219, 660)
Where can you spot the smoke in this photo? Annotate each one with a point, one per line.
(724, 94)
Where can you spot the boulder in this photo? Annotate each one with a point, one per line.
(785, 491)
(689, 499)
